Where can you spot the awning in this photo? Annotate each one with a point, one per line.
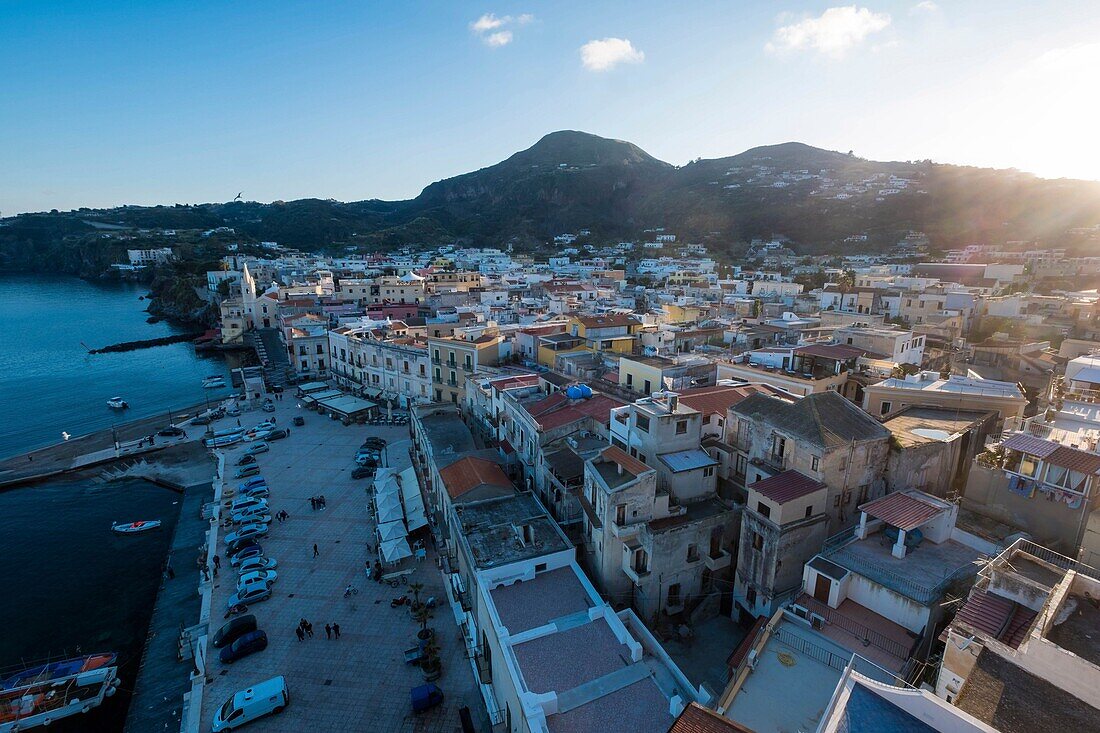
(390, 513)
(390, 531)
(413, 500)
(903, 510)
(395, 551)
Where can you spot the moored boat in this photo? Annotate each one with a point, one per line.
(117, 403)
(41, 694)
(214, 381)
(135, 527)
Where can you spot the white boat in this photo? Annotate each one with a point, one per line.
(45, 693)
(135, 527)
(117, 403)
(214, 381)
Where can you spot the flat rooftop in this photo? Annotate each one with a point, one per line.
(921, 425)
(493, 528)
(447, 433)
(529, 605)
(917, 575)
(794, 658)
(1080, 631)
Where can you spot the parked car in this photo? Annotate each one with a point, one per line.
(374, 442)
(263, 698)
(253, 594)
(201, 420)
(250, 470)
(257, 576)
(247, 459)
(253, 518)
(257, 563)
(256, 529)
(257, 448)
(362, 472)
(268, 406)
(242, 503)
(250, 643)
(171, 432)
(277, 434)
(234, 629)
(257, 481)
(236, 545)
(233, 411)
(367, 461)
(299, 421)
(246, 553)
(259, 492)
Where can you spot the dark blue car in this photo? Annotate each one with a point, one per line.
(250, 643)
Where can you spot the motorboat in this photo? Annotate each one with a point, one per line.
(135, 527)
(214, 381)
(43, 693)
(117, 403)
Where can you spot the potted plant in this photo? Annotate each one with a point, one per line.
(432, 667)
(423, 615)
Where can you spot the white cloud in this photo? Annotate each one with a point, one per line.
(500, 38)
(832, 33)
(924, 6)
(608, 53)
(491, 28)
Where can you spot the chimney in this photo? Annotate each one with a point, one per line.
(673, 401)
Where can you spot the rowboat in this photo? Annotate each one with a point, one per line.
(135, 527)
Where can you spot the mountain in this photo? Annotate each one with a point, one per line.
(571, 180)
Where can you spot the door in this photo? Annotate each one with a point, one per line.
(823, 588)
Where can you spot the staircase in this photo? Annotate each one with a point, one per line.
(269, 347)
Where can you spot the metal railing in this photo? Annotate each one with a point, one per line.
(869, 636)
(811, 650)
(1051, 557)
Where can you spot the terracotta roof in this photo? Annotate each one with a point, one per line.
(618, 456)
(902, 510)
(697, 719)
(997, 616)
(787, 486)
(1031, 445)
(1075, 460)
(557, 409)
(716, 400)
(468, 473)
(608, 321)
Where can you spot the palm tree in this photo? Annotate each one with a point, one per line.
(415, 588)
(422, 616)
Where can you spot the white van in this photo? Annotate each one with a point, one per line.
(263, 698)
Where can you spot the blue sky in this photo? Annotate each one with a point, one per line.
(105, 103)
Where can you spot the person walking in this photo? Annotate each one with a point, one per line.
(301, 634)
(336, 630)
(328, 631)
(316, 552)
(309, 629)
(217, 561)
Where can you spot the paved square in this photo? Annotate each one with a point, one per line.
(359, 682)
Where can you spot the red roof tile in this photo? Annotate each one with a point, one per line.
(617, 455)
(697, 719)
(831, 351)
(1075, 460)
(902, 510)
(997, 616)
(468, 473)
(716, 400)
(787, 486)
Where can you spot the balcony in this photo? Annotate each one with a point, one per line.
(638, 576)
(625, 531)
(719, 562)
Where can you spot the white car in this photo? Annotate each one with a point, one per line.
(244, 532)
(243, 503)
(256, 576)
(261, 517)
(257, 563)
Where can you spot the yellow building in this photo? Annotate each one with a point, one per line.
(682, 313)
(616, 333)
(455, 357)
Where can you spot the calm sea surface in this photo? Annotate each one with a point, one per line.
(69, 584)
(49, 384)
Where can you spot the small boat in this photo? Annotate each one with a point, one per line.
(135, 527)
(117, 403)
(44, 693)
(214, 381)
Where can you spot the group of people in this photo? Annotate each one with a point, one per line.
(317, 502)
(305, 630)
(281, 515)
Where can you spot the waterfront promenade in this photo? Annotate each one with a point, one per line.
(85, 450)
(361, 681)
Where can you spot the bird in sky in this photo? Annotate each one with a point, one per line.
(238, 197)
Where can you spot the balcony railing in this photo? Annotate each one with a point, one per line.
(869, 636)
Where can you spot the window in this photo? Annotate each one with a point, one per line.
(750, 597)
(629, 380)
(885, 408)
(779, 447)
(693, 553)
(642, 423)
(708, 471)
(809, 511)
(620, 514)
(757, 541)
(681, 427)
(763, 509)
(320, 348)
(815, 463)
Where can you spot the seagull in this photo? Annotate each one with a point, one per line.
(238, 197)
(64, 435)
